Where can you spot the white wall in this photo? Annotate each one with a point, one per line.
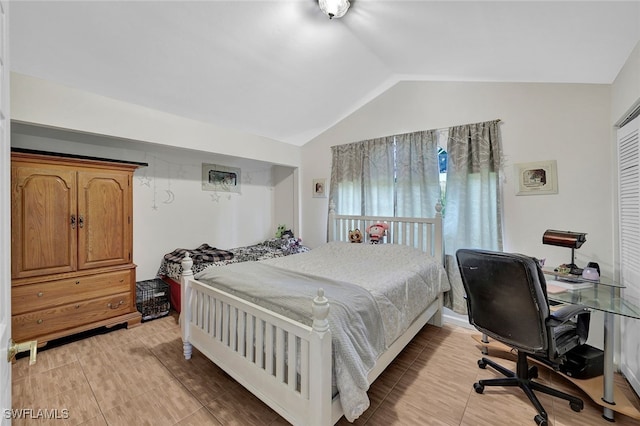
(625, 90)
(285, 204)
(564, 122)
(170, 208)
(50, 104)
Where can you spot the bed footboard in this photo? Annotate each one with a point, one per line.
(267, 353)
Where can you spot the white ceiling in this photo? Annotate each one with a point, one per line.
(283, 70)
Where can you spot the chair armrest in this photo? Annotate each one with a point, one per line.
(565, 313)
(558, 320)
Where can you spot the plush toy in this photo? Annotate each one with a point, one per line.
(280, 230)
(291, 245)
(355, 236)
(376, 232)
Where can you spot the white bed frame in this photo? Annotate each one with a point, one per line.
(227, 329)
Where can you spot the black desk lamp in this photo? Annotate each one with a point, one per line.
(572, 240)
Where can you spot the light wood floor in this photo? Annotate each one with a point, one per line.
(138, 377)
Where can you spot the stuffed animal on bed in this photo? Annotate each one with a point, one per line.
(355, 236)
(280, 230)
(292, 245)
(287, 234)
(377, 232)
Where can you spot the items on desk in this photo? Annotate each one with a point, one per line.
(569, 239)
(590, 273)
(594, 265)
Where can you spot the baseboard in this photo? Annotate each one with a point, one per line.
(450, 317)
(629, 359)
(631, 377)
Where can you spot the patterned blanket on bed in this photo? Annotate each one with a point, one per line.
(276, 247)
(202, 253)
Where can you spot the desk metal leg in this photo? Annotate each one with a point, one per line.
(485, 339)
(609, 348)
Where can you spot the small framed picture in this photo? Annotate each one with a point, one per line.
(319, 188)
(537, 178)
(220, 178)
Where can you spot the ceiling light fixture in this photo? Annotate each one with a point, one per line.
(334, 8)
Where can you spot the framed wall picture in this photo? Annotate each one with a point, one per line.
(537, 178)
(319, 188)
(220, 178)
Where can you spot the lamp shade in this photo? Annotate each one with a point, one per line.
(334, 8)
(564, 238)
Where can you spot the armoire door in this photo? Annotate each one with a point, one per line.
(43, 220)
(104, 218)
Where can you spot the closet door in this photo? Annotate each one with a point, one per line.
(43, 224)
(104, 218)
(629, 207)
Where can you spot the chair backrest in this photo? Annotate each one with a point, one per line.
(506, 297)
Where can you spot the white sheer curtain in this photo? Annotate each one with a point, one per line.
(473, 208)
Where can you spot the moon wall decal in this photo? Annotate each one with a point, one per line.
(171, 196)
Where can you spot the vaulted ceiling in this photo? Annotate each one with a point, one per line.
(283, 70)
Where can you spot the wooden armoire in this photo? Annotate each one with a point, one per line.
(71, 245)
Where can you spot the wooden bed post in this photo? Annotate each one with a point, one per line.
(185, 301)
(321, 362)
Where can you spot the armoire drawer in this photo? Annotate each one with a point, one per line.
(34, 297)
(33, 324)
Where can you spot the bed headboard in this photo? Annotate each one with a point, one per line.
(422, 233)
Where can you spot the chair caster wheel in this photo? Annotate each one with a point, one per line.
(576, 406)
(479, 388)
(533, 372)
(482, 364)
(540, 421)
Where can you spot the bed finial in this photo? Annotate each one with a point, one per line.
(439, 209)
(320, 311)
(187, 262)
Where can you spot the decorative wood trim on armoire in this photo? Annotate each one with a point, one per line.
(72, 264)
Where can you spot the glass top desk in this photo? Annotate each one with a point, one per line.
(602, 295)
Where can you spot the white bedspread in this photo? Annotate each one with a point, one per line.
(403, 280)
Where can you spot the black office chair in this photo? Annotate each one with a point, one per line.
(507, 300)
